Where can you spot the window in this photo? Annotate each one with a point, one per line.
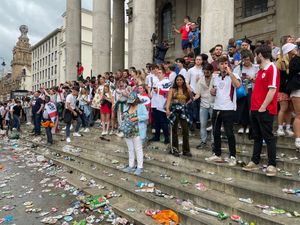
(166, 22)
(55, 55)
(55, 83)
(55, 41)
(55, 69)
(253, 7)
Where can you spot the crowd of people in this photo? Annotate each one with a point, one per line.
(241, 84)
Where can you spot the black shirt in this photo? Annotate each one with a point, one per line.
(294, 74)
(36, 104)
(17, 110)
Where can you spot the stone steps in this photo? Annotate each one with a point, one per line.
(242, 187)
(127, 188)
(120, 205)
(229, 188)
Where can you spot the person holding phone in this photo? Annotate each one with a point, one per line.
(247, 72)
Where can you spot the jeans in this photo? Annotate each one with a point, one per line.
(1, 122)
(27, 114)
(135, 147)
(37, 118)
(49, 135)
(17, 123)
(204, 112)
(226, 117)
(262, 124)
(68, 126)
(161, 122)
(185, 134)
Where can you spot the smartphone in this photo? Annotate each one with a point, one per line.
(244, 74)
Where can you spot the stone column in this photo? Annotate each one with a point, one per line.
(143, 26)
(118, 35)
(101, 36)
(73, 38)
(286, 18)
(217, 23)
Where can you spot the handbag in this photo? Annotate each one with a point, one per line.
(241, 92)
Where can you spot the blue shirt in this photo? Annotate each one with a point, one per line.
(196, 41)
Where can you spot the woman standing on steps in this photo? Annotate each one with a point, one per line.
(106, 108)
(178, 98)
(134, 127)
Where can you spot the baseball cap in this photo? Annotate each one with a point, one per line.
(288, 47)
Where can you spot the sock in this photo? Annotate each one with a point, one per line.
(280, 127)
(297, 139)
(288, 126)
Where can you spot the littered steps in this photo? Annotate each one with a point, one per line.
(128, 189)
(232, 202)
(119, 204)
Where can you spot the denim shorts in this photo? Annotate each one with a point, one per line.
(185, 44)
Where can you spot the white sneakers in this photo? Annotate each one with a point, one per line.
(120, 134)
(241, 130)
(28, 123)
(76, 134)
(104, 133)
(232, 161)
(280, 132)
(213, 158)
(86, 130)
(71, 127)
(68, 140)
(209, 128)
(289, 132)
(297, 143)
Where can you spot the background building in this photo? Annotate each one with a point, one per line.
(45, 61)
(49, 54)
(20, 77)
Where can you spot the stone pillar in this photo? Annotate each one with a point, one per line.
(217, 23)
(118, 35)
(287, 23)
(143, 26)
(101, 36)
(73, 38)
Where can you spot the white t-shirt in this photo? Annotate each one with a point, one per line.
(249, 71)
(172, 77)
(72, 100)
(207, 100)
(151, 80)
(226, 93)
(193, 76)
(159, 99)
(183, 72)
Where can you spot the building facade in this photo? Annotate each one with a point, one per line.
(49, 55)
(45, 61)
(20, 77)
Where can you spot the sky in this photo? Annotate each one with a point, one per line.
(41, 17)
